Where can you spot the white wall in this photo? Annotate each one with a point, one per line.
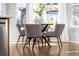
(29, 14)
(63, 19)
(11, 10)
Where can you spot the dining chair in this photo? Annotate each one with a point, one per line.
(33, 31)
(57, 33)
(21, 33)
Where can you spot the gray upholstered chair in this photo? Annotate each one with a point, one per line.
(33, 31)
(21, 33)
(57, 33)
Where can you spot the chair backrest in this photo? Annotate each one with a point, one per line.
(33, 30)
(22, 32)
(59, 29)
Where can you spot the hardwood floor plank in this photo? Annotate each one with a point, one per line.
(69, 49)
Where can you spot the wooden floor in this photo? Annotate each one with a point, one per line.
(68, 49)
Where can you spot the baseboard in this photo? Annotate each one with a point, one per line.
(14, 42)
(74, 42)
(24, 42)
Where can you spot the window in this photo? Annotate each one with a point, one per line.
(0, 8)
(50, 11)
(75, 13)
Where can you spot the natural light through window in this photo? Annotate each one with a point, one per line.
(0, 8)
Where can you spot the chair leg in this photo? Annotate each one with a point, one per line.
(26, 42)
(47, 41)
(29, 40)
(22, 40)
(38, 42)
(42, 42)
(34, 41)
(58, 42)
(18, 40)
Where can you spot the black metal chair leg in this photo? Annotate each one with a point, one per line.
(18, 40)
(58, 42)
(29, 40)
(34, 41)
(47, 41)
(26, 42)
(42, 42)
(38, 42)
(22, 40)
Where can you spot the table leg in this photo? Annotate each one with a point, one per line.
(47, 41)
(45, 28)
